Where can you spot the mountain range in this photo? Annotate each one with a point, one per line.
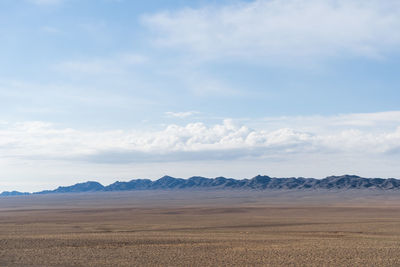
(257, 183)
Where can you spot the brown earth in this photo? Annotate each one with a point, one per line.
(199, 228)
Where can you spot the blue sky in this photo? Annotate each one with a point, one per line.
(114, 89)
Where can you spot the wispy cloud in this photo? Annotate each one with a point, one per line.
(50, 29)
(114, 64)
(46, 2)
(27, 97)
(181, 115)
(281, 30)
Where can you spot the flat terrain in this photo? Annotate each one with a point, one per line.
(200, 228)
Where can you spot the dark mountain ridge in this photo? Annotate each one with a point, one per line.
(259, 182)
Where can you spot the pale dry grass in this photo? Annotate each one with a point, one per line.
(202, 229)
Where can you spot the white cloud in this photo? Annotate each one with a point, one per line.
(282, 29)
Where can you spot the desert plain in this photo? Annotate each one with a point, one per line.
(202, 228)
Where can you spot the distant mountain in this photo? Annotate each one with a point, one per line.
(139, 184)
(13, 193)
(77, 188)
(259, 182)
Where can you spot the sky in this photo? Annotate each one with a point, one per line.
(112, 90)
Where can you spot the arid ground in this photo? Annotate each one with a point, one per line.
(200, 228)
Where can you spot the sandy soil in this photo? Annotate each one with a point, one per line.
(200, 228)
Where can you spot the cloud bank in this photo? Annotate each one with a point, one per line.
(200, 142)
(312, 146)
